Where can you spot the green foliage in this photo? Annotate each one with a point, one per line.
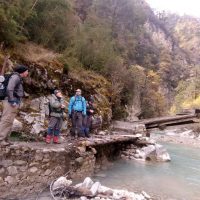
(106, 36)
(48, 24)
(12, 14)
(94, 47)
(153, 103)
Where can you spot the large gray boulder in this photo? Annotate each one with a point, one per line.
(155, 153)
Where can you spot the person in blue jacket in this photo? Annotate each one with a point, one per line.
(77, 111)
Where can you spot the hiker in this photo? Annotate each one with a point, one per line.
(12, 101)
(77, 110)
(56, 113)
(87, 121)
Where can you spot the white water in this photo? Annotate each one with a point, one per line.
(178, 179)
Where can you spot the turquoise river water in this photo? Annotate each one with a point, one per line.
(175, 180)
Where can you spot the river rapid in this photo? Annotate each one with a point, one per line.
(175, 180)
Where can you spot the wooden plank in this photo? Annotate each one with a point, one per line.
(153, 125)
(167, 119)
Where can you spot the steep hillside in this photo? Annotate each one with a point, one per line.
(145, 59)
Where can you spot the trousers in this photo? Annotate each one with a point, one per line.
(8, 115)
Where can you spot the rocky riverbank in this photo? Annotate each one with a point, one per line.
(146, 149)
(182, 134)
(88, 189)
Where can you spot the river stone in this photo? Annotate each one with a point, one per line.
(105, 190)
(83, 198)
(95, 187)
(61, 183)
(87, 183)
(162, 154)
(146, 195)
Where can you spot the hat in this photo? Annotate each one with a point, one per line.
(20, 69)
(56, 91)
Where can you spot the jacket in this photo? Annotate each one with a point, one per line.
(77, 103)
(89, 107)
(55, 106)
(15, 90)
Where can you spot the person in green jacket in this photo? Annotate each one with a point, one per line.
(56, 112)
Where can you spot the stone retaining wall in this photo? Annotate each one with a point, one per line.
(24, 170)
(29, 168)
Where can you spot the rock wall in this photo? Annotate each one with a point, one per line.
(27, 168)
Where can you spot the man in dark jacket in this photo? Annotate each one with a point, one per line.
(57, 107)
(11, 104)
(87, 121)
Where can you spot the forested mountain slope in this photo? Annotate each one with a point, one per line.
(150, 61)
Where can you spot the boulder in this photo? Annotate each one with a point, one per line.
(156, 153)
(95, 187)
(162, 154)
(87, 183)
(17, 126)
(61, 183)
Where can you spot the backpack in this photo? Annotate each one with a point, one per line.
(3, 85)
(75, 99)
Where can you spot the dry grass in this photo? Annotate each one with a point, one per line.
(34, 53)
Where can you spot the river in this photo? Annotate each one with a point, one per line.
(175, 180)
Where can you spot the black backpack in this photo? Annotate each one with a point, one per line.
(3, 85)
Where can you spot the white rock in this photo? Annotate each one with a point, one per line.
(139, 197)
(146, 195)
(83, 198)
(119, 194)
(78, 185)
(87, 183)
(94, 188)
(29, 119)
(17, 125)
(103, 189)
(161, 153)
(37, 128)
(64, 125)
(61, 182)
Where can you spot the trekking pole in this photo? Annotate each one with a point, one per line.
(4, 65)
(2, 79)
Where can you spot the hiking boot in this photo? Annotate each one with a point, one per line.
(48, 139)
(56, 140)
(5, 143)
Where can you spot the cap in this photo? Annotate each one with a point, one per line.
(20, 69)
